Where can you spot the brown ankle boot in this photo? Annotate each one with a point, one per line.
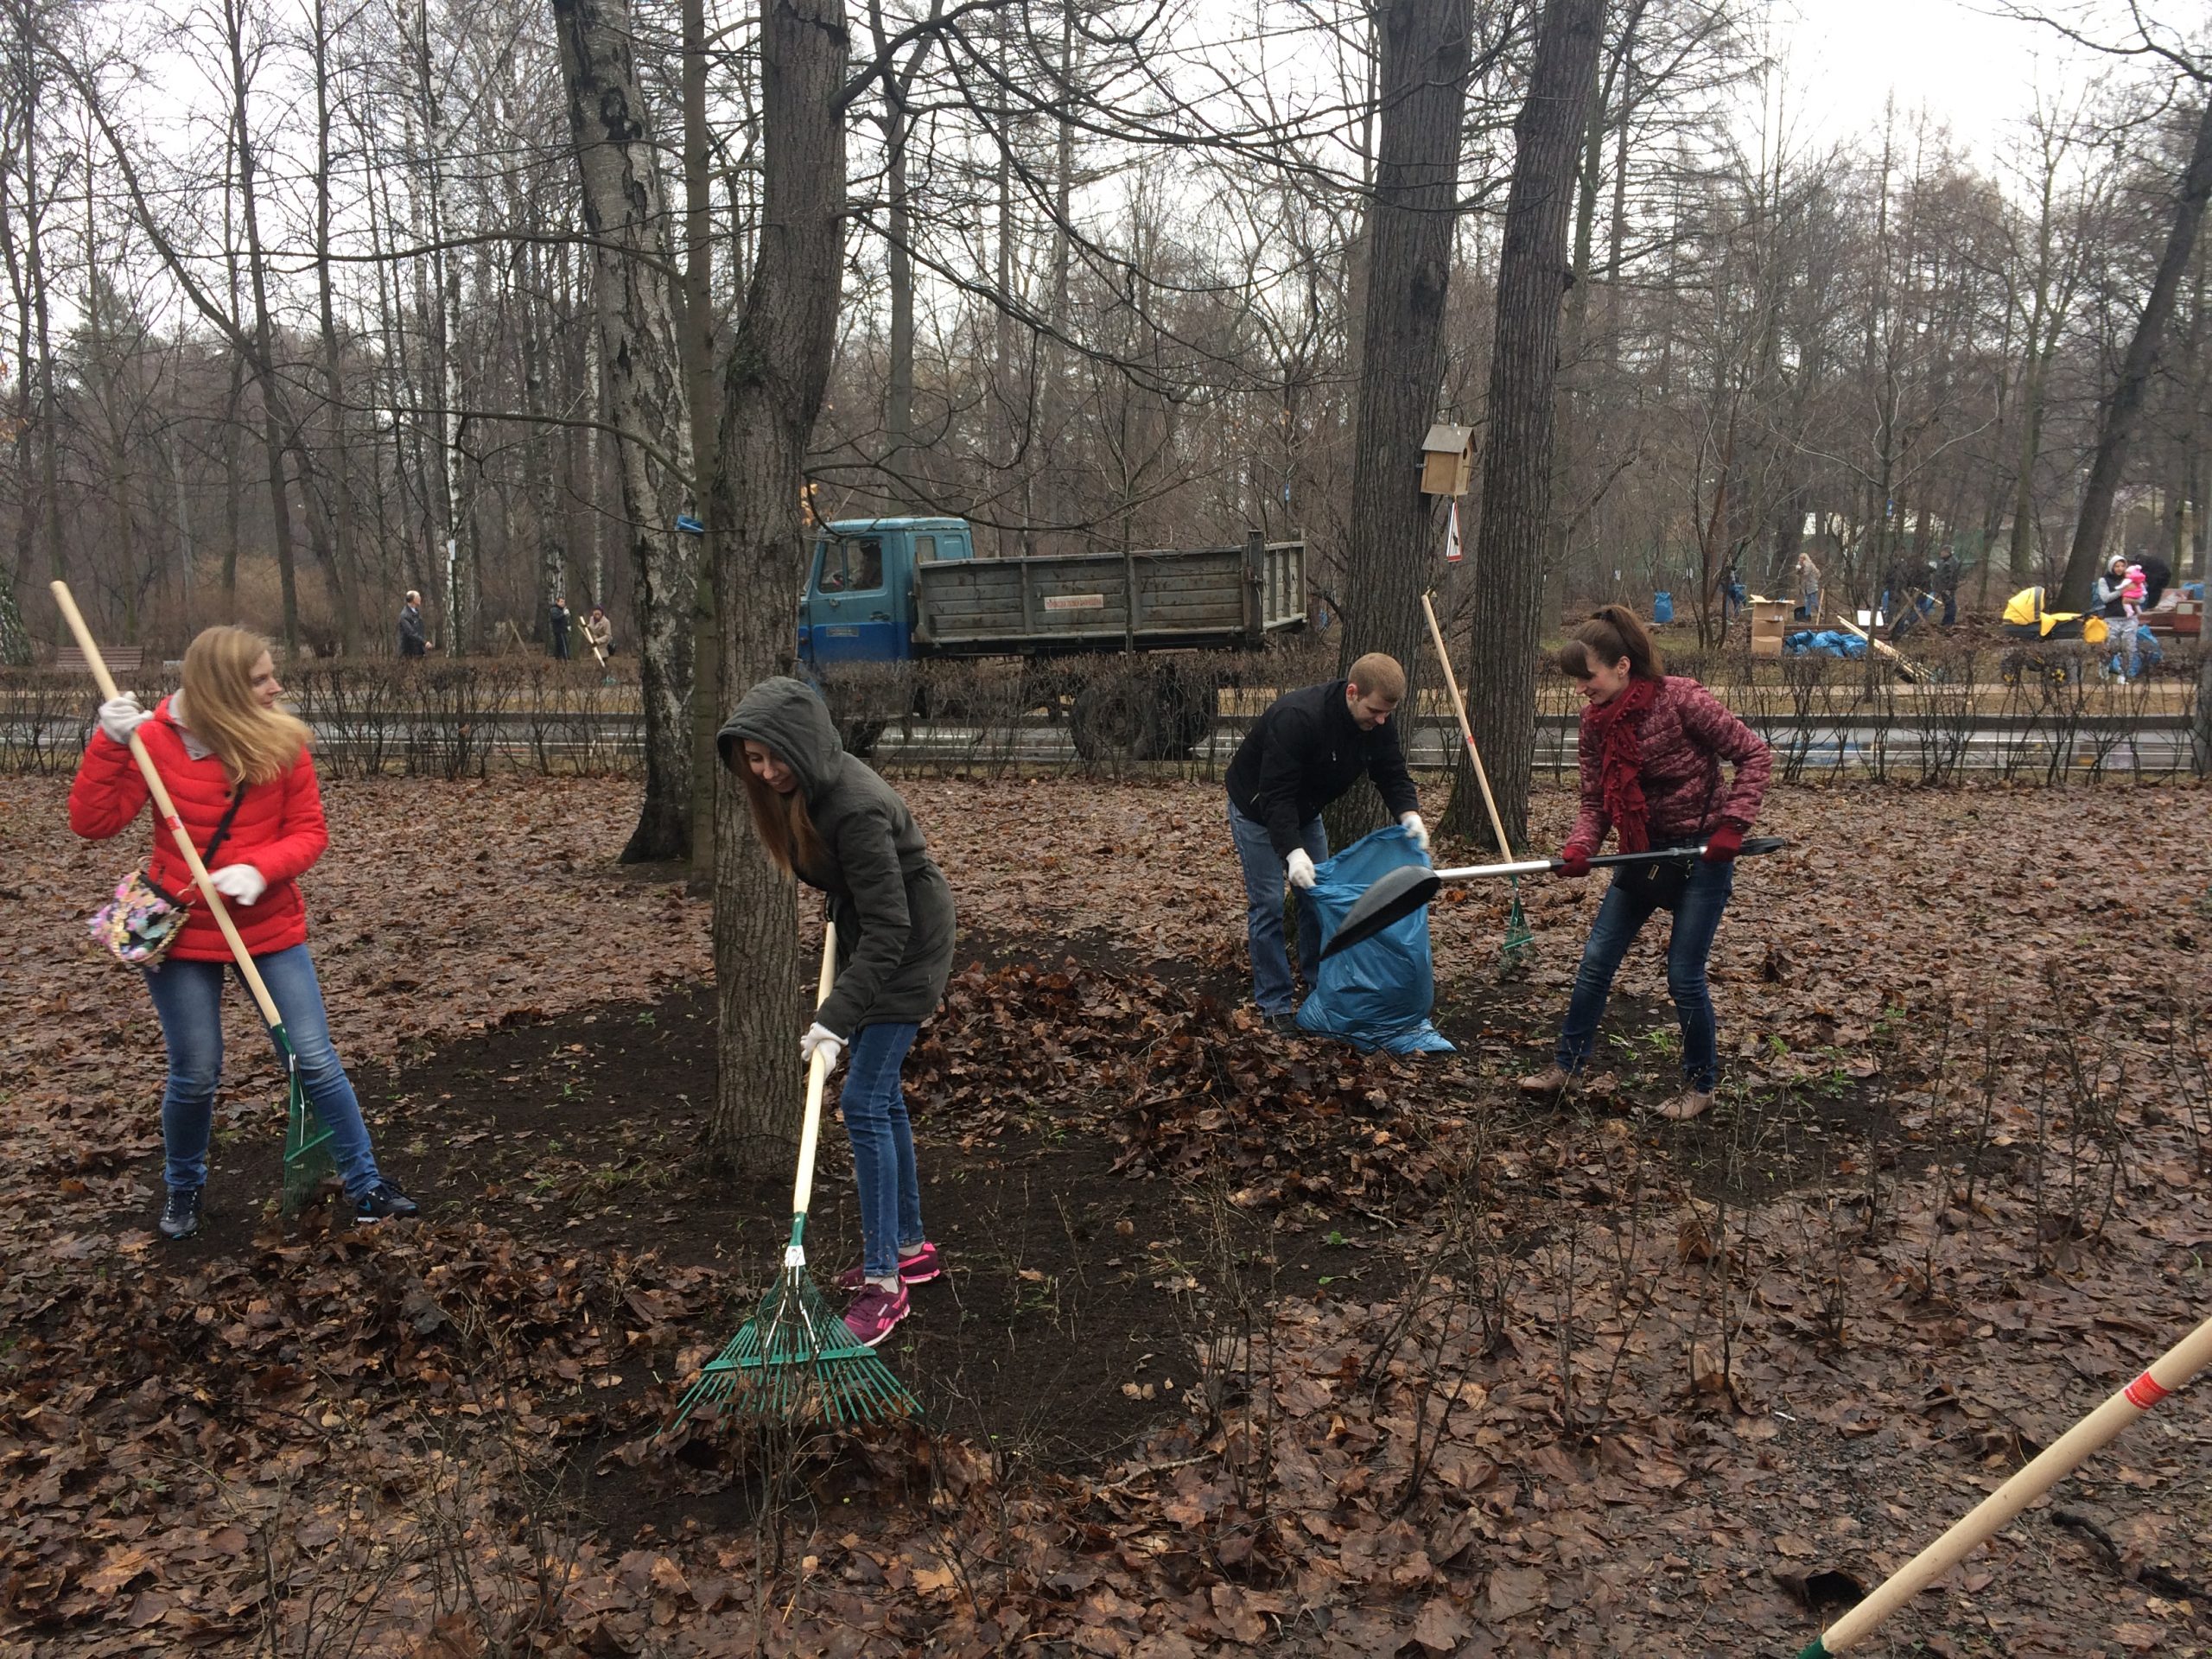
(1552, 1080)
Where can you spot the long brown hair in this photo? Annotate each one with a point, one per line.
(1612, 632)
(256, 745)
(785, 826)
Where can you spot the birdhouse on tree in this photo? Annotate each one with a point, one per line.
(1447, 460)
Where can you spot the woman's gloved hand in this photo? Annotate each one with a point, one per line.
(239, 881)
(818, 1037)
(1574, 858)
(120, 716)
(1300, 867)
(1725, 842)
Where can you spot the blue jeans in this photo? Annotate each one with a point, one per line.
(875, 1108)
(1626, 908)
(188, 996)
(1264, 878)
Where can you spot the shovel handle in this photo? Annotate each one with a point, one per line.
(167, 807)
(817, 1080)
(1757, 847)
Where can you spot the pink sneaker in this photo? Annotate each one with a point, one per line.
(916, 1269)
(875, 1311)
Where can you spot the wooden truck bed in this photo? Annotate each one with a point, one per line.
(1198, 598)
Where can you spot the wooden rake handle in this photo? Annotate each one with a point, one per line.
(167, 807)
(1467, 730)
(817, 1080)
(2166, 1374)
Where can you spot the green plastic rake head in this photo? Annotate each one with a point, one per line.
(796, 1358)
(307, 1141)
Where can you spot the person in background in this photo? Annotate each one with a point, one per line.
(1650, 746)
(1732, 594)
(1946, 577)
(1809, 588)
(558, 630)
(412, 640)
(2110, 598)
(599, 629)
(237, 768)
(1309, 747)
(2158, 576)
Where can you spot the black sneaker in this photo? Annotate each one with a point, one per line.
(381, 1202)
(1282, 1022)
(181, 1214)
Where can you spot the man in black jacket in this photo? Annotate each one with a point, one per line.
(1308, 748)
(411, 642)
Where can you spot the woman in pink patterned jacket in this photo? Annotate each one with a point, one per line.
(1650, 746)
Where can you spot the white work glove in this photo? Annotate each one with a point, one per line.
(1302, 869)
(1417, 831)
(819, 1036)
(241, 882)
(120, 716)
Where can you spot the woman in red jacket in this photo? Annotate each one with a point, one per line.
(223, 747)
(1650, 745)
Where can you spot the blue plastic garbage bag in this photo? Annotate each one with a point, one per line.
(1377, 994)
(1828, 642)
(1662, 609)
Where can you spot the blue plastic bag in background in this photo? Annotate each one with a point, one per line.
(1377, 994)
(1662, 608)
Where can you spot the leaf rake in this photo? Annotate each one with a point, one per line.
(795, 1358)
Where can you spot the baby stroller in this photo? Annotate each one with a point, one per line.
(2025, 619)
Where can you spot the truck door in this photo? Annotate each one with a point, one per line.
(857, 600)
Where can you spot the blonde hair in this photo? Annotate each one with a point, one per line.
(256, 745)
(1379, 672)
(785, 826)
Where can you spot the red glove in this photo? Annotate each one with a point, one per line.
(1725, 842)
(1574, 858)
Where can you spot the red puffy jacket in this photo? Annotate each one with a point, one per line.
(279, 829)
(1688, 733)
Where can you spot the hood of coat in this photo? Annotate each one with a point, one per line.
(789, 719)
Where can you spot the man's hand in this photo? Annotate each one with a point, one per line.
(818, 1037)
(1417, 831)
(1300, 868)
(1574, 858)
(240, 882)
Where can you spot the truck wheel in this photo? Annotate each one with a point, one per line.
(1185, 717)
(1118, 721)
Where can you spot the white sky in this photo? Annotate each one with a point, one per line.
(1978, 72)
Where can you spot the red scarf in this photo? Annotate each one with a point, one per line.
(1617, 728)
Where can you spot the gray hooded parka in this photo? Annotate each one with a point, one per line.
(890, 902)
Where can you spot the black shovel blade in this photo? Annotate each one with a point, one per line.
(1392, 898)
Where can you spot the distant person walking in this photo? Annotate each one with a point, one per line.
(1948, 571)
(412, 640)
(1809, 588)
(559, 630)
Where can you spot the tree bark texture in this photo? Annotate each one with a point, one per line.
(1392, 551)
(2131, 389)
(1517, 510)
(625, 210)
(772, 388)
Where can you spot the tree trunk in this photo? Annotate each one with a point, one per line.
(339, 464)
(772, 389)
(625, 210)
(1392, 549)
(2125, 409)
(1516, 509)
(697, 343)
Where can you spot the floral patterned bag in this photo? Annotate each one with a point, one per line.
(139, 924)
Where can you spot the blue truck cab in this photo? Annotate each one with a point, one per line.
(858, 604)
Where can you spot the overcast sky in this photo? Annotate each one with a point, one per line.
(1978, 72)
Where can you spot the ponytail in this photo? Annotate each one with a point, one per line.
(1612, 632)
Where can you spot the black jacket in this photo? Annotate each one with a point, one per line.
(889, 900)
(1305, 751)
(2157, 574)
(411, 632)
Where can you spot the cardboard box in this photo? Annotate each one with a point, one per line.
(1769, 621)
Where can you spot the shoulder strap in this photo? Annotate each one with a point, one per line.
(223, 826)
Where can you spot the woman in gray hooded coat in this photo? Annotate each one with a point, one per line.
(827, 818)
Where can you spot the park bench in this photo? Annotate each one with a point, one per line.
(120, 659)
